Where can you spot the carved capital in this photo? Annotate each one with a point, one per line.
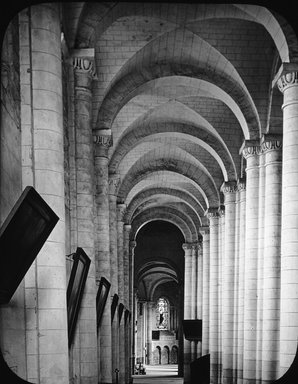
(133, 244)
(204, 231)
(229, 187)
(83, 61)
(212, 212)
(103, 140)
(241, 184)
(186, 246)
(127, 227)
(250, 148)
(287, 79)
(121, 211)
(114, 182)
(271, 143)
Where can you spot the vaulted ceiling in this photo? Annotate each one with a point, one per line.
(180, 86)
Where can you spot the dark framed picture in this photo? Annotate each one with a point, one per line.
(120, 311)
(114, 305)
(22, 235)
(75, 289)
(101, 298)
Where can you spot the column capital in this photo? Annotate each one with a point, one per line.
(127, 227)
(212, 212)
(114, 182)
(241, 184)
(133, 244)
(271, 142)
(229, 187)
(204, 231)
(221, 210)
(187, 246)
(121, 207)
(250, 148)
(83, 61)
(286, 77)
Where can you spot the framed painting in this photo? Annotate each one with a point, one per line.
(75, 289)
(101, 298)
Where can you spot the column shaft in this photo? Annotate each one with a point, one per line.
(187, 306)
(251, 152)
(206, 280)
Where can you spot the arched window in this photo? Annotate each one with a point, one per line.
(162, 316)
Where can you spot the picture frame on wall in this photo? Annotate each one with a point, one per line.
(101, 298)
(75, 289)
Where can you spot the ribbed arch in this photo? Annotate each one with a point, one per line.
(149, 192)
(166, 179)
(165, 215)
(185, 59)
(97, 17)
(151, 163)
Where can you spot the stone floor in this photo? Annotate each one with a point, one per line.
(159, 374)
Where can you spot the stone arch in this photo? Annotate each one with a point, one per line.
(162, 212)
(165, 355)
(146, 128)
(149, 164)
(166, 191)
(147, 64)
(90, 25)
(174, 354)
(157, 355)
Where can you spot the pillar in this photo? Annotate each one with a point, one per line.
(127, 274)
(102, 140)
(45, 282)
(272, 148)
(199, 303)
(260, 268)
(206, 281)
(194, 262)
(86, 339)
(288, 84)
(251, 153)
(241, 185)
(133, 301)
(120, 245)
(213, 216)
(187, 305)
(228, 287)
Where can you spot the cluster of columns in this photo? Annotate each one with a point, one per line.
(100, 214)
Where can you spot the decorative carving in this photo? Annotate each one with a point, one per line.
(186, 246)
(221, 210)
(103, 140)
(271, 143)
(127, 227)
(251, 148)
(84, 65)
(133, 244)
(212, 212)
(241, 184)
(204, 231)
(229, 187)
(114, 182)
(121, 211)
(287, 79)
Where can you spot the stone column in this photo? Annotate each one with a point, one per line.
(272, 148)
(46, 332)
(194, 261)
(213, 216)
(133, 301)
(199, 303)
(187, 305)
(288, 84)
(228, 288)
(86, 340)
(251, 153)
(114, 181)
(236, 284)
(150, 308)
(262, 197)
(120, 244)
(206, 281)
(241, 185)
(102, 140)
(127, 274)
(221, 261)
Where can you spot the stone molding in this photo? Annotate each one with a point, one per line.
(212, 212)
